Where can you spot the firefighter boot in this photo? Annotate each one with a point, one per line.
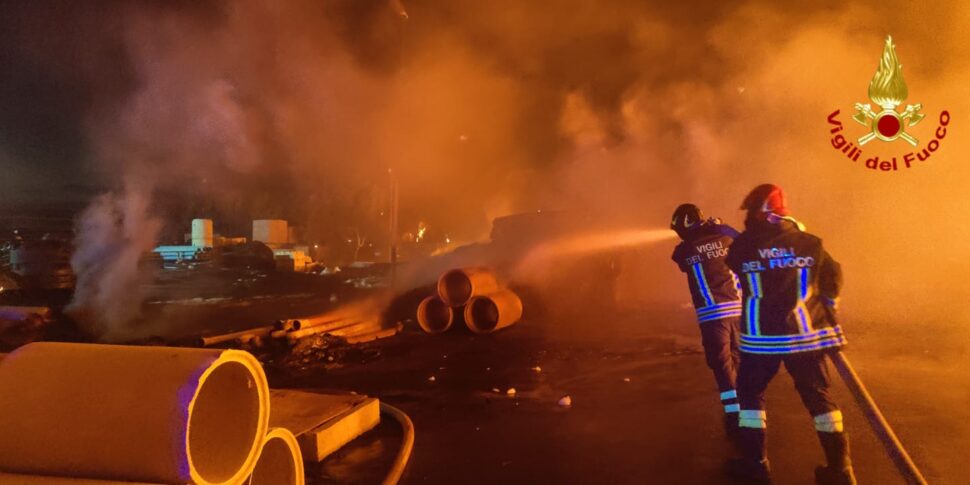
(732, 430)
(731, 425)
(753, 464)
(839, 468)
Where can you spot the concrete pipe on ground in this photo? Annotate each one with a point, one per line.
(234, 336)
(458, 286)
(488, 313)
(315, 321)
(320, 329)
(146, 414)
(280, 461)
(287, 325)
(434, 315)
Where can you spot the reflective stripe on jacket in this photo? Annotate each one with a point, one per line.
(789, 287)
(713, 287)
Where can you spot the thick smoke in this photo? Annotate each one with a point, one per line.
(113, 234)
(621, 109)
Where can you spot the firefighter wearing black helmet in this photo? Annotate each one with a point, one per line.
(714, 291)
(790, 290)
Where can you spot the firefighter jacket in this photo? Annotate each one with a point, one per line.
(713, 288)
(790, 290)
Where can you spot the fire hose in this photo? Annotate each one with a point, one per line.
(877, 421)
(401, 461)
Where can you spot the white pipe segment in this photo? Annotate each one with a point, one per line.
(280, 461)
(149, 414)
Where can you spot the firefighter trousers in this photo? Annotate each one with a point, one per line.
(720, 340)
(810, 372)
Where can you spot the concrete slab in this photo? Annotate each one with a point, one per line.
(322, 423)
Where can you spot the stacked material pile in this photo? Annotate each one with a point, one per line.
(20, 325)
(100, 414)
(351, 323)
(472, 295)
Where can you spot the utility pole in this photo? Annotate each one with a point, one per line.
(392, 223)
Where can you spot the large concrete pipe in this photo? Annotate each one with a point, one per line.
(280, 461)
(434, 315)
(149, 414)
(458, 286)
(488, 313)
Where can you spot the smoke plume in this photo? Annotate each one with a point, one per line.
(622, 109)
(113, 235)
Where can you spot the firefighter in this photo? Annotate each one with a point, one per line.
(714, 291)
(790, 291)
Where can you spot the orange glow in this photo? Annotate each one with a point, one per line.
(422, 228)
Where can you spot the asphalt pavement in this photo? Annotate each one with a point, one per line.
(644, 407)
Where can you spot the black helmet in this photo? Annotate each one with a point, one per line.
(686, 217)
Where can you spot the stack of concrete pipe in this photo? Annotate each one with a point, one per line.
(101, 414)
(472, 295)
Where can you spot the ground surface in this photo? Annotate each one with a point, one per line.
(644, 405)
(661, 426)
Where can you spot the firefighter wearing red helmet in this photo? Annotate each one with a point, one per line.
(714, 292)
(790, 289)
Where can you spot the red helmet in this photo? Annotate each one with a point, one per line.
(766, 199)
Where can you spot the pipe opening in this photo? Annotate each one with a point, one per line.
(484, 314)
(455, 287)
(277, 464)
(435, 316)
(224, 422)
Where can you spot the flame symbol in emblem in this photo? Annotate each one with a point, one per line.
(888, 90)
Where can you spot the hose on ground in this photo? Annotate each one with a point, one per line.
(878, 422)
(404, 454)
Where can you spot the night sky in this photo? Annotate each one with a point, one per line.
(59, 63)
(64, 63)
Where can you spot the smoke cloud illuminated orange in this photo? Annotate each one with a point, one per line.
(625, 110)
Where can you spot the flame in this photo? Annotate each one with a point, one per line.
(422, 228)
(887, 88)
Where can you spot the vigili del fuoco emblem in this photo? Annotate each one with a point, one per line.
(888, 90)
